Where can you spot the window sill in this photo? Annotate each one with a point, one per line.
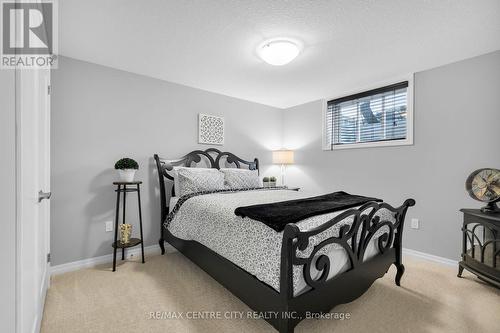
(406, 142)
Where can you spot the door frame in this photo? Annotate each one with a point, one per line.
(42, 286)
(38, 79)
(8, 202)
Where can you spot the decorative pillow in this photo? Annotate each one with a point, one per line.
(174, 173)
(241, 178)
(193, 180)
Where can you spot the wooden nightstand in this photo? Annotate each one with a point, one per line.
(122, 188)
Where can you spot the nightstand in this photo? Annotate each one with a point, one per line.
(122, 188)
(293, 188)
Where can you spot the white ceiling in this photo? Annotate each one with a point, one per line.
(211, 44)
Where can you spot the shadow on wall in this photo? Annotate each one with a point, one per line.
(299, 173)
(100, 207)
(265, 143)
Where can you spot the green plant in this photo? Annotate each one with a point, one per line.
(265, 179)
(272, 179)
(126, 163)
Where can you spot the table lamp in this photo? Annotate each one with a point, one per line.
(283, 158)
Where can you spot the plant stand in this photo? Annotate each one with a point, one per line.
(122, 188)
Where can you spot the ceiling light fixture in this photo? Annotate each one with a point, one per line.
(278, 51)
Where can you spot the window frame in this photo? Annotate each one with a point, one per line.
(386, 143)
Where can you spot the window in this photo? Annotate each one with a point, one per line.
(372, 118)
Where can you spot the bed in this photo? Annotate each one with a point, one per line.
(307, 268)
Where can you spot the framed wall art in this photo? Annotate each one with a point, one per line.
(210, 129)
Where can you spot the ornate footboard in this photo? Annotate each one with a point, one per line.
(354, 238)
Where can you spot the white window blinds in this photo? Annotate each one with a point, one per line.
(378, 115)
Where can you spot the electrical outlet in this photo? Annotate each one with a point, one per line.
(415, 224)
(109, 226)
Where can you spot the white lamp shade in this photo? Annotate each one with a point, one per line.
(283, 157)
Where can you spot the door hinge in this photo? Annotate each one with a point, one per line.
(49, 89)
(48, 257)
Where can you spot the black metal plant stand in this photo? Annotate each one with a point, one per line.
(122, 188)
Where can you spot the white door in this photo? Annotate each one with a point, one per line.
(33, 184)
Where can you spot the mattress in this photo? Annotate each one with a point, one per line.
(210, 220)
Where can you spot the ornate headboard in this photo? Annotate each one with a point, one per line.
(210, 158)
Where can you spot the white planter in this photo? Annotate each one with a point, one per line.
(127, 175)
(272, 184)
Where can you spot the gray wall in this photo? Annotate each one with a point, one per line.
(457, 118)
(7, 201)
(101, 114)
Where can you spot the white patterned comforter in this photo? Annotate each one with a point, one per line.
(210, 220)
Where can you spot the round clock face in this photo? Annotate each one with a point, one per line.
(484, 185)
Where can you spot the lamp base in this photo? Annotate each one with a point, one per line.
(283, 168)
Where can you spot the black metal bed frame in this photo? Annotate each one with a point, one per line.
(324, 294)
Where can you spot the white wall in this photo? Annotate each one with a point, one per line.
(100, 114)
(7, 201)
(457, 130)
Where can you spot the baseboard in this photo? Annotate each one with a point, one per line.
(92, 262)
(430, 257)
(43, 294)
(155, 249)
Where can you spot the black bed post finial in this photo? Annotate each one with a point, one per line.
(163, 203)
(398, 241)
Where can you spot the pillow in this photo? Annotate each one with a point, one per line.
(175, 175)
(241, 178)
(193, 180)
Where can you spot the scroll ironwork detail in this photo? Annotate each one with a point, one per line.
(353, 237)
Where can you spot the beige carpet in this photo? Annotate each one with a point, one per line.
(432, 299)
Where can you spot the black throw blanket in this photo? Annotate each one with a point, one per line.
(277, 215)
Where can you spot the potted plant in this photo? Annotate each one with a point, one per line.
(265, 181)
(272, 181)
(126, 169)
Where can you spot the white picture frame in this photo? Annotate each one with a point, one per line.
(210, 129)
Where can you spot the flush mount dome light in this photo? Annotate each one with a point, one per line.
(278, 52)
